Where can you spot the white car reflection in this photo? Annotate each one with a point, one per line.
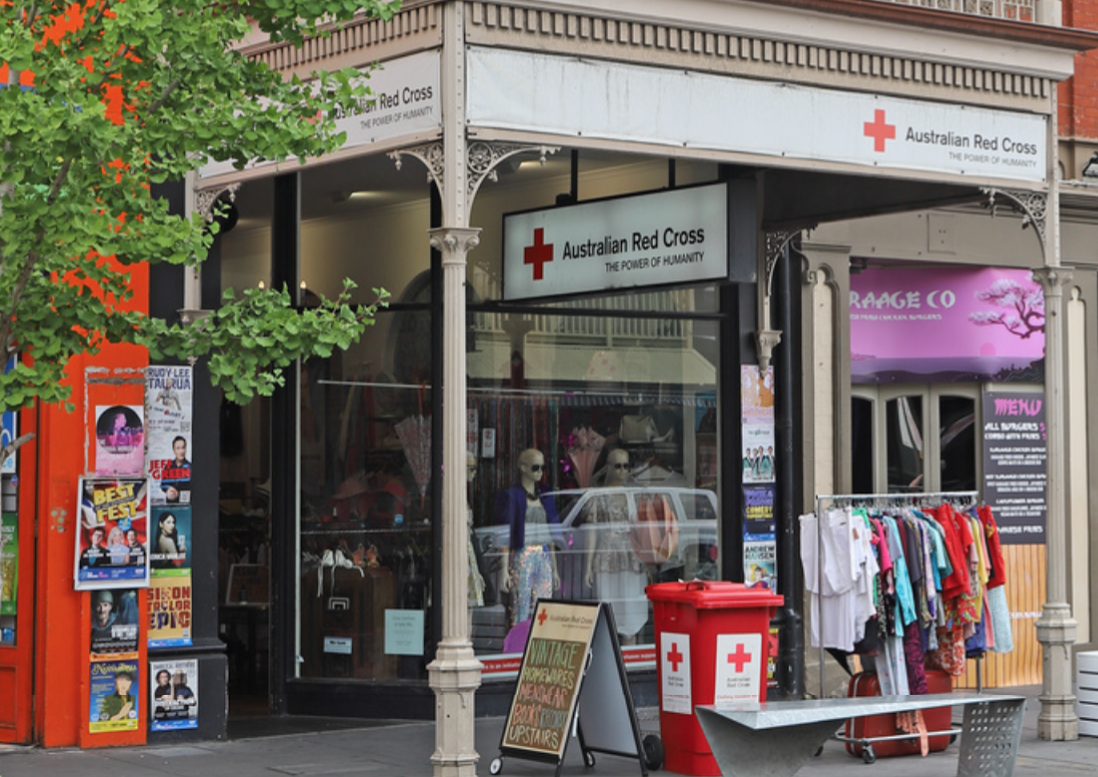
(695, 554)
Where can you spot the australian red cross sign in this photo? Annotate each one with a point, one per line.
(666, 238)
(883, 133)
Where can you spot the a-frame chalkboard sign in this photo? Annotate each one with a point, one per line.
(572, 679)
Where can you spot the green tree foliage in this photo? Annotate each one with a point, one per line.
(105, 98)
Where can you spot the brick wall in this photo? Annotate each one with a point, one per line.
(1078, 116)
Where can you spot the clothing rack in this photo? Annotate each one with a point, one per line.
(879, 500)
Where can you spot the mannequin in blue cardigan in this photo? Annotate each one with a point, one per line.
(528, 558)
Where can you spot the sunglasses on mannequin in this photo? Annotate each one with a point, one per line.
(621, 466)
(537, 467)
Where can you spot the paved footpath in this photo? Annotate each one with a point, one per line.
(401, 749)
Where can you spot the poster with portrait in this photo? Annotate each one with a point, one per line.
(170, 611)
(757, 424)
(119, 440)
(760, 560)
(113, 696)
(174, 690)
(170, 540)
(9, 429)
(168, 408)
(9, 563)
(114, 623)
(111, 537)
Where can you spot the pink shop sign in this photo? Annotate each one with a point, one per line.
(946, 324)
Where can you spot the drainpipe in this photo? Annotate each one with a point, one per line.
(790, 666)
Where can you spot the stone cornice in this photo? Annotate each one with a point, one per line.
(950, 21)
(417, 26)
(592, 33)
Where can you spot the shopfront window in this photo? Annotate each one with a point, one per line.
(365, 530)
(604, 408)
(594, 444)
(365, 517)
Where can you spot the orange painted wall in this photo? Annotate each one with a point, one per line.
(63, 616)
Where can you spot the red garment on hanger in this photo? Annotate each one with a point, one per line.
(994, 548)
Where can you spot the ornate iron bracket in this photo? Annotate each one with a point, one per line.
(1032, 205)
(767, 339)
(204, 199)
(481, 160)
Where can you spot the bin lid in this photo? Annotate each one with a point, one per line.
(703, 594)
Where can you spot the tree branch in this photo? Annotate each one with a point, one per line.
(15, 445)
(164, 95)
(33, 256)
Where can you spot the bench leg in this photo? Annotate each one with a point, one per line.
(777, 752)
(989, 744)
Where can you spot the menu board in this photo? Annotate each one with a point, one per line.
(1015, 462)
(550, 678)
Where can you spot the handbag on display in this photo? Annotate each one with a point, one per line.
(656, 534)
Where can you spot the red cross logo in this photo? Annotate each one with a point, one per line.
(739, 658)
(675, 657)
(878, 130)
(541, 617)
(538, 254)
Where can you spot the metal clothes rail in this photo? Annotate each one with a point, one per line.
(894, 500)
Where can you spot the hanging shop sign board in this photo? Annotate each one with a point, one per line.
(666, 238)
(571, 667)
(589, 98)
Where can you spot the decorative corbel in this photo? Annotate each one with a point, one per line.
(1032, 205)
(204, 199)
(767, 339)
(481, 160)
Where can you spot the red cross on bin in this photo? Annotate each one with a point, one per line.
(538, 254)
(879, 130)
(740, 658)
(675, 657)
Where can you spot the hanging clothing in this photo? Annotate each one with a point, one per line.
(917, 588)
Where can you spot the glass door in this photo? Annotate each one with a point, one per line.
(912, 439)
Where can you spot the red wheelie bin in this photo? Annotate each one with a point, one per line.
(712, 641)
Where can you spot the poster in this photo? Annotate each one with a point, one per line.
(676, 688)
(173, 687)
(114, 623)
(9, 563)
(170, 542)
(757, 423)
(739, 668)
(113, 698)
(1015, 456)
(112, 535)
(9, 429)
(760, 560)
(119, 440)
(170, 611)
(758, 510)
(168, 409)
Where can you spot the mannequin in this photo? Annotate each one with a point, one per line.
(613, 570)
(476, 581)
(529, 560)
